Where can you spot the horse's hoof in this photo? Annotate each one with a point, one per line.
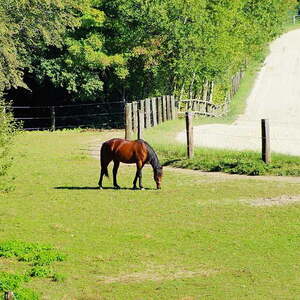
(100, 188)
(134, 188)
(117, 187)
(142, 188)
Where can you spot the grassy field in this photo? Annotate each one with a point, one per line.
(197, 238)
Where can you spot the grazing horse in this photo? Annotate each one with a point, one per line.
(136, 152)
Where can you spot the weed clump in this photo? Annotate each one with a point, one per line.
(39, 257)
(233, 162)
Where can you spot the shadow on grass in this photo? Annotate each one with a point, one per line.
(170, 162)
(97, 188)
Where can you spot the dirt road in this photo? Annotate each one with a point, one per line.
(275, 96)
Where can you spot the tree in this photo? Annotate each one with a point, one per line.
(136, 48)
(26, 28)
(82, 64)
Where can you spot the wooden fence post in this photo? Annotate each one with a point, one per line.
(140, 124)
(52, 118)
(9, 296)
(128, 120)
(265, 136)
(154, 112)
(169, 112)
(142, 108)
(159, 110)
(148, 113)
(164, 109)
(189, 134)
(142, 105)
(135, 116)
(173, 108)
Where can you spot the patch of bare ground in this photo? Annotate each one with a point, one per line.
(277, 201)
(93, 149)
(157, 274)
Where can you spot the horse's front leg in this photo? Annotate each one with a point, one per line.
(115, 171)
(138, 175)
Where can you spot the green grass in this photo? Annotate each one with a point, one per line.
(172, 153)
(196, 238)
(38, 257)
(163, 139)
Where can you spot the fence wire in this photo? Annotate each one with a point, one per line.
(94, 115)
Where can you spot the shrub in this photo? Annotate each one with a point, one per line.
(8, 128)
(39, 257)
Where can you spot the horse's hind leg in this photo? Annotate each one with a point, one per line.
(103, 172)
(101, 179)
(115, 171)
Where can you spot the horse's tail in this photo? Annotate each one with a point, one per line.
(103, 154)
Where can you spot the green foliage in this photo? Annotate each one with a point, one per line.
(39, 257)
(137, 48)
(8, 128)
(58, 277)
(12, 282)
(80, 67)
(39, 271)
(25, 30)
(176, 46)
(232, 162)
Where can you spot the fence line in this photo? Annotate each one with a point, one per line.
(69, 105)
(264, 137)
(274, 122)
(153, 111)
(205, 106)
(201, 107)
(108, 114)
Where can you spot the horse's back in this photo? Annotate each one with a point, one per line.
(126, 151)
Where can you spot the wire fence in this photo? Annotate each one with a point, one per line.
(95, 115)
(280, 136)
(281, 131)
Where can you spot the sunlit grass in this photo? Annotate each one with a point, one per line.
(195, 237)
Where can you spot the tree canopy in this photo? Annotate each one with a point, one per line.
(96, 49)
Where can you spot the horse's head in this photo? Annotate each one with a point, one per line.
(158, 173)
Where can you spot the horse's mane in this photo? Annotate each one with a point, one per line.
(152, 156)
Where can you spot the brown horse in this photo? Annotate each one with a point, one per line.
(130, 152)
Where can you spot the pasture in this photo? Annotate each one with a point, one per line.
(200, 237)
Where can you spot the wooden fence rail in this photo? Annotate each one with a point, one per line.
(153, 111)
(200, 107)
(204, 105)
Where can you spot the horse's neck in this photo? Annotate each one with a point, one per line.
(154, 162)
(152, 157)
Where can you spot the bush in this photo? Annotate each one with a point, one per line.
(8, 129)
(233, 162)
(39, 257)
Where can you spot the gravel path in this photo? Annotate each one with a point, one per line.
(275, 96)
